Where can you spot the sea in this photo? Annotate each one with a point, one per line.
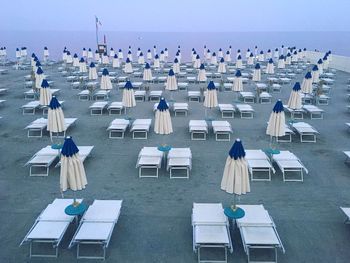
(75, 41)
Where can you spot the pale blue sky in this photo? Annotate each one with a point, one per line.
(177, 15)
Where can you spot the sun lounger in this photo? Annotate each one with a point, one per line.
(141, 128)
(265, 98)
(182, 85)
(41, 161)
(306, 98)
(346, 211)
(96, 226)
(287, 137)
(285, 80)
(322, 99)
(295, 114)
(30, 95)
(289, 163)
(49, 227)
(328, 81)
(227, 110)
(247, 96)
(211, 229)
(161, 79)
(117, 128)
(84, 153)
(246, 111)
(149, 158)
(198, 129)
(276, 88)
(179, 159)
(259, 162)
(306, 132)
(154, 95)
(116, 107)
(140, 95)
(30, 107)
(2, 102)
(314, 111)
(84, 95)
(260, 87)
(179, 107)
(45, 108)
(97, 107)
(3, 71)
(222, 130)
(194, 96)
(101, 94)
(35, 128)
(258, 231)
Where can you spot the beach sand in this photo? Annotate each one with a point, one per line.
(155, 220)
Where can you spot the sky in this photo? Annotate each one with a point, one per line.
(176, 15)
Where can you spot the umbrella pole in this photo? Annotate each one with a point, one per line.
(234, 207)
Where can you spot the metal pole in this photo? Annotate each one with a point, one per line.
(96, 31)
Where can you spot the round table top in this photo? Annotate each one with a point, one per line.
(164, 148)
(57, 146)
(75, 210)
(234, 214)
(272, 151)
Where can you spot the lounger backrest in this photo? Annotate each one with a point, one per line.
(150, 152)
(255, 215)
(103, 211)
(255, 155)
(285, 155)
(207, 214)
(180, 153)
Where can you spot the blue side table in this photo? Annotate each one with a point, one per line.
(234, 214)
(57, 146)
(76, 211)
(165, 149)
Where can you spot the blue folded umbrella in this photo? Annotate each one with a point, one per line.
(45, 84)
(308, 75)
(238, 73)
(147, 66)
(69, 148)
(92, 65)
(162, 105)
(171, 72)
(202, 66)
(257, 66)
(296, 86)
(237, 150)
(54, 104)
(278, 107)
(128, 85)
(211, 85)
(82, 60)
(105, 72)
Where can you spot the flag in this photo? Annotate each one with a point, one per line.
(98, 22)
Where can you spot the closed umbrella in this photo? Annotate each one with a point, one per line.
(320, 66)
(222, 66)
(288, 59)
(194, 55)
(171, 83)
(45, 93)
(147, 73)
(166, 53)
(257, 73)
(250, 60)
(230, 49)
(141, 59)
(294, 101)
(315, 74)
(208, 55)
(69, 58)
(39, 77)
(228, 56)
(261, 56)
(154, 49)
(138, 52)
(239, 63)
(306, 85)
(256, 51)
(106, 83)
(247, 54)
(220, 53)
(325, 62)
(92, 71)
(295, 56)
(97, 57)
(120, 54)
(149, 55)
(178, 56)
(111, 52)
(156, 62)
(162, 122)
(84, 53)
(281, 64)
(89, 54)
(276, 54)
(276, 125)
(202, 76)
(55, 117)
(128, 95)
(176, 66)
(128, 66)
(115, 61)
(46, 53)
(270, 68)
(64, 55)
(238, 54)
(72, 175)
(238, 83)
(75, 60)
(162, 57)
(204, 51)
(129, 56)
(213, 59)
(235, 179)
(82, 66)
(269, 54)
(210, 97)
(105, 59)
(197, 62)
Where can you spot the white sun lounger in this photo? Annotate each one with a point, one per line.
(258, 231)
(265, 98)
(116, 107)
(295, 114)
(30, 107)
(49, 227)
(289, 163)
(247, 96)
(149, 158)
(259, 162)
(227, 110)
(84, 95)
(306, 132)
(322, 99)
(35, 128)
(346, 211)
(101, 94)
(222, 130)
(180, 107)
(179, 159)
(306, 98)
(117, 128)
(287, 137)
(154, 95)
(140, 95)
(42, 160)
(246, 111)
(211, 229)
(182, 85)
(198, 129)
(30, 95)
(347, 154)
(97, 107)
(84, 153)
(96, 226)
(194, 96)
(140, 127)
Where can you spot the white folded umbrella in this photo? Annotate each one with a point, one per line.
(210, 96)
(238, 83)
(213, 59)
(97, 57)
(162, 57)
(220, 53)
(111, 52)
(69, 58)
(250, 60)
(82, 66)
(156, 62)
(315, 74)
(294, 101)
(222, 66)
(306, 85)
(281, 63)
(105, 59)
(128, 95)
(46, 52)
(276, 125)
(129, 56)
(115, 61)
(55, 117)
(197, 62)
(202, 76)
(239, 63)
(166, 53)
(320, 66)
(39, 77)
(106, 83)
(269, 54)
(257, 73)
(176, 66)
(138, 52)
(261, 56)
(147, 73)
(276, 54)
(228, 56)
(149, 55)
(75, 60)
(270, 68)
(92, 71)
(162, 122)
(171, 83)
(120, 54)
(288, 59)
(141, 59)
(84, 54)
(128, 66)
(90, 54)
(45, 93)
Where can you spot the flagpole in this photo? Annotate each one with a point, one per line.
(96, 31)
